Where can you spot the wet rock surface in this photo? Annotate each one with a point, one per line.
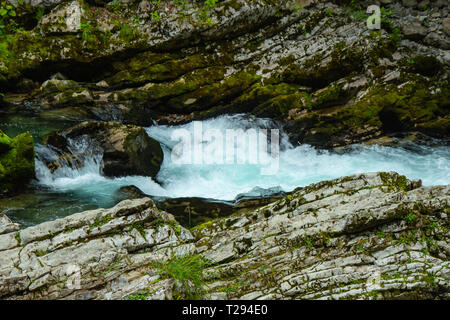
(123, 149)
(193, 211)
(369, 236)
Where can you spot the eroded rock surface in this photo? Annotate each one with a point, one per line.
(369, 236)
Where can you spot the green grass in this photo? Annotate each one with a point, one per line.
(188, 271)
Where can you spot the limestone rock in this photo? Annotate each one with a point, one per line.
(409, 3)
(366, 236)
(63, 19)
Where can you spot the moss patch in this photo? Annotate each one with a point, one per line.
(16, 162)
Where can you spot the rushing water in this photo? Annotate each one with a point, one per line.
(70, 190)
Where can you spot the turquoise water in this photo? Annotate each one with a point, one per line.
(67, 190)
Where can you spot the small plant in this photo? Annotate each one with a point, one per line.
(360, 15)
(39, 14)
(432, 226)
(126, 33)
(4, 52)
(155, 16)
(141, 295)
(410, 218)
(308, 242)
(188, 271)
(381, 234)
(7, 21)
(210, 3)
(115, 7)
(87, 32)
(329, 12)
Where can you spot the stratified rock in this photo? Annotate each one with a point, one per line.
(64, 19)
(414, 31)
(16, 162)
(367, 236)
(314, 69)
(68, 257)
(409, 3)
(125, 149)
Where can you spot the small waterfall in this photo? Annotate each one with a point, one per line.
(83, 158)
(298, 166)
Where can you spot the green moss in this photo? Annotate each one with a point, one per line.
(16, 162)
(418, 104)
(188, 271)
(330, 96)
(395, 181)
(343, 61)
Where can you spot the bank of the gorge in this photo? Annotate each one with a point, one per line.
(370, 236)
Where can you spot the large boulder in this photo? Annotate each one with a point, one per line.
(65, 18)
(16, 162)
(124, 149)
(57, 93)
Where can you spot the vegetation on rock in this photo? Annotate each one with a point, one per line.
(16, 162)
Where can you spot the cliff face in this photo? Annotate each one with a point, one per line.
(313, 65)
(371, 236)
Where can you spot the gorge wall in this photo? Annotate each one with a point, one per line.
(313, 65)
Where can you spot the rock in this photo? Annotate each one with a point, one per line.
(366, 236)
(414, 31)
(424, 4)
(436, 40)
(194, 211)
(124, 149)
(63, 19)
(45, 3)
(294, 66)
(446, 26)
(409, 3)
(16, 162)
(58, 93)
(93, 248)
(129, 192)
(336, 241)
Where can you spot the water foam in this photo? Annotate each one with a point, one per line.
(299, 166)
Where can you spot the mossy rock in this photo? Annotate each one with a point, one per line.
(418, 104)
(64, 92)
(425, 65)
(16, 162)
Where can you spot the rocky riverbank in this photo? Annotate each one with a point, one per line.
(313, 65)
(369, 236)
